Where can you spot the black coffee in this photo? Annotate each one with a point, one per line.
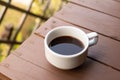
(66, 45)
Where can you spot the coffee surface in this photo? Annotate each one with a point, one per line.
(66, 45)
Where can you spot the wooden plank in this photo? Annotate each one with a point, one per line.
(117, 0)
(32, 50)
(3, 77)
(110, 7)
(107, 50)
(18, 69)
(93, 20)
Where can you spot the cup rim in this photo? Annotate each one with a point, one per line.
(60, 55)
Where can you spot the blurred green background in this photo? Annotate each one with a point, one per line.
(45, 8)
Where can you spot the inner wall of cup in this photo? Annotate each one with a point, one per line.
(73, 32)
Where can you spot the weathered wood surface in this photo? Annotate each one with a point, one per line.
(28, 62)
(109, 7)
(90, 19)
(102, 52)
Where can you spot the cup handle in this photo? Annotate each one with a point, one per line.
(93, 38)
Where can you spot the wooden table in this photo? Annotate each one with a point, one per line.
(28, 62)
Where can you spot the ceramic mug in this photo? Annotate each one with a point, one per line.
(67, 62)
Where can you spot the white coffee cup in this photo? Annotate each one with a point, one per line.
(66, 62)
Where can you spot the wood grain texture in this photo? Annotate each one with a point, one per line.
(18, 69)
(117, 0)
(87, 71)
(28, 62)
(3, 77)
(110, 7)
(93, 20)
(107, 50)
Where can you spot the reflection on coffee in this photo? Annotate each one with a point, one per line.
(66, 45)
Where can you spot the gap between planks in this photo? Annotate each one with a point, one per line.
(30, 61)
(94, 9)
(87, 57)
(85, 28)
